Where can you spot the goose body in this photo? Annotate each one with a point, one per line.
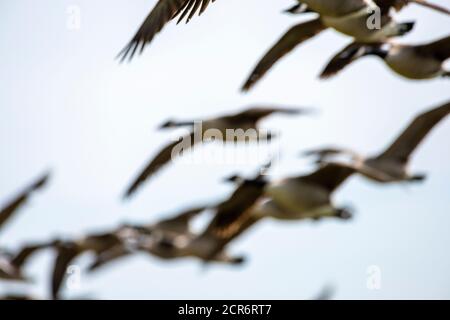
(162, 13)
(332, 8)
(303, 197)
(297, 198)
(356, 26)
(8, 211)
(405, 61)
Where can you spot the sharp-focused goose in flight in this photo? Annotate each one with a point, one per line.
(163, 12)
(296, 198)
(242, 126)
(417, 62)
(392, 164)
(12, 207)
(348, 17)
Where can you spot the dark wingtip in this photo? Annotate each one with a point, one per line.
(246, 87)
(239, 260)
(250, 82)
(127, 195)
(419, 178)
(42, 181)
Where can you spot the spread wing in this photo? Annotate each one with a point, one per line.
(345, 57)
(255, 114)
(291, 39)
(439, 49)
(413, 135)
(161, 159)
(7, 212)
(233, 213)
(25, 253)
(330, 176)
(161, 14)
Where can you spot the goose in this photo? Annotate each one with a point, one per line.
(332, 8)
(391, 165)
(16, 203)
(295, 198)
(173, 238)
(241, 126)
(351, 24)
(416, 62)
(163, 12)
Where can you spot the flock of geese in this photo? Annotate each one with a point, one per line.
(256, 197)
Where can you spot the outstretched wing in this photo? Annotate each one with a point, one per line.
(413, 135)
(346, 56)
(21, 199)
(161, 14)
(161, 159)
(330, 176)
(64, 256)
(180, 223)
(291, 39)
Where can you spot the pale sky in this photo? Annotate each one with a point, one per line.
(66, 104)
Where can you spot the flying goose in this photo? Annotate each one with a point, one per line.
(417, 62)
(68, 250)
(161, 239)
(296, 198)
(11, 264)
(391, 165)
(12, 207)
(245, 124)
(352, 21)
(163, 12)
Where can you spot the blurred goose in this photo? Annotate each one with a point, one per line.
(332, 8)
(243, 126)
(15, 204)
(348, 17)
(163, 12)
(296, 198)
(392, 164)
(173, 238)
(415, 62)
